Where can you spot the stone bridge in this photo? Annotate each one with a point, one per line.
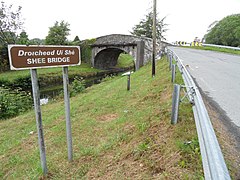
(106, 50)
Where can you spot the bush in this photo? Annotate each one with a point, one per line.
(86, 50)
(24, 83)
(77, 86)
(13, 102)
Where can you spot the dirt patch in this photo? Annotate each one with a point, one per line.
(107, 117)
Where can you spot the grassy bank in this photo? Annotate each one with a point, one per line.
(117, 134)
(84, 69)
(225, 50)
(22, 79)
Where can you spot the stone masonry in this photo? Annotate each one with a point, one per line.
(106, 49)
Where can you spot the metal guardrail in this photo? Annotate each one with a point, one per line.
(220, 46)
(213, 162)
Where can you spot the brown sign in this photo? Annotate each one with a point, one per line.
(31, 57)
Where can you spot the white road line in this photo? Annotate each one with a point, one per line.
(207, 85)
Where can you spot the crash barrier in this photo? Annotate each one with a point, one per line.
(213, 162)
(220, 46)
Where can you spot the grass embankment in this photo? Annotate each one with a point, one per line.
(117, 134)
(225, 50)
(49, 76)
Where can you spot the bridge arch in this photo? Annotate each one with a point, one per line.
(107, 58)
(140, 48)
(108, 48)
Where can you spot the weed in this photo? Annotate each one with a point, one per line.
(77, 86)
(190, 151)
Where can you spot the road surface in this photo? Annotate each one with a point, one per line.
(218, 75)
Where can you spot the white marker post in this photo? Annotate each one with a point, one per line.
(31, 57)
(128, 74)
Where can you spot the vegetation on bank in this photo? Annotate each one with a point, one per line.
(13, 102)
(15, 86)
(19, 78)
(13, 77)
(117, 134)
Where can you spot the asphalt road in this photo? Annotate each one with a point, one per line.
(218, 75)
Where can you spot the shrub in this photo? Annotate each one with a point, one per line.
(13, 102)
(24, 83)
(86, 50)
(77, 86)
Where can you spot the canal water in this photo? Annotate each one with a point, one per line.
(52, 91)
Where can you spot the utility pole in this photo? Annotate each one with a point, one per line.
(154, 36)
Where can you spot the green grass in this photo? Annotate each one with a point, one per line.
(125, 60)
(225, 50)
(117, 134)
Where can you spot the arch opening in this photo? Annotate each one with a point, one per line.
(108, 58)
(126, 61)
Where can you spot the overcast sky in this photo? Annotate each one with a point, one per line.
(93, 18)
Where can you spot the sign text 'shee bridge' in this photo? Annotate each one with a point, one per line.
(32, 57)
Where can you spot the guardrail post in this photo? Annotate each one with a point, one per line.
(170, 61)
(175, 103)
(173, 72)
(168, 56)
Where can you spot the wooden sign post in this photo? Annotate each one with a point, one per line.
(33, 57)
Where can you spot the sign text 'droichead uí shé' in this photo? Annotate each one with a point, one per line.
(32, 57)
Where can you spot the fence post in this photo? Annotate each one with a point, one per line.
(175, 103)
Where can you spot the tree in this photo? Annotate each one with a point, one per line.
(225, 32)
(76, 41)
(145, 27)
(23, 38)
(57, 34)
(10, 24)
(37, 41)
